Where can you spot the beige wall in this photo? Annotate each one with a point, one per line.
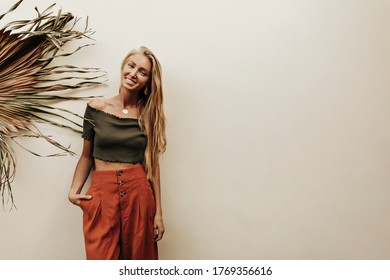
(278, 128)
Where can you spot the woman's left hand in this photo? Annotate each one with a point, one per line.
(159, 228)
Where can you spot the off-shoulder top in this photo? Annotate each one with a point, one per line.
(115, 139)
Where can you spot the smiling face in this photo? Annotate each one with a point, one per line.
(136, 72)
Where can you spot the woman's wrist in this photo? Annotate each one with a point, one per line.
(158, 214)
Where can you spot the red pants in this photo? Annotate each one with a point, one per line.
(118, 220)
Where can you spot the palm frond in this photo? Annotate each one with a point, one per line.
(30, 84)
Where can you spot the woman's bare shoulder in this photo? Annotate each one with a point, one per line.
(99, 104)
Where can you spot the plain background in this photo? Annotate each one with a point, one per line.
(278, 129)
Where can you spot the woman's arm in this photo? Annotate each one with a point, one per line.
(158, 220)
(81, 174)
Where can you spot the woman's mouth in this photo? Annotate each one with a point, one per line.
(130, 81)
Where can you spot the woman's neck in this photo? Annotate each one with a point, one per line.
(128, 98)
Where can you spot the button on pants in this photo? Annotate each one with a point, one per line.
(118, 220)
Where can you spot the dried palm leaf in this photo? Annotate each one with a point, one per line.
(29, 83)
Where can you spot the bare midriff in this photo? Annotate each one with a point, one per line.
(106, 165)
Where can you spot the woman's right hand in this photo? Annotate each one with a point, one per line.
(76, 198)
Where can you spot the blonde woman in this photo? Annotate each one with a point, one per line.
(123, 138)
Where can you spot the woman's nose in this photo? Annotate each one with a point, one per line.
(133, 73)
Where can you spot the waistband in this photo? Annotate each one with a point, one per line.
(113, 176)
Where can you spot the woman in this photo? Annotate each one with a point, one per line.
(123, 137)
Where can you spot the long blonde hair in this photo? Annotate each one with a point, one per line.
(152, 118)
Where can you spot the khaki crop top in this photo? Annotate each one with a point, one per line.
(115, 139)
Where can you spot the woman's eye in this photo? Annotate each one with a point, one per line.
(143, 74)
(130, 65)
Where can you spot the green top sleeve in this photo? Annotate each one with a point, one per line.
(88, 132)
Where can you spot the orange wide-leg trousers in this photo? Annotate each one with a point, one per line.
(118, 220)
